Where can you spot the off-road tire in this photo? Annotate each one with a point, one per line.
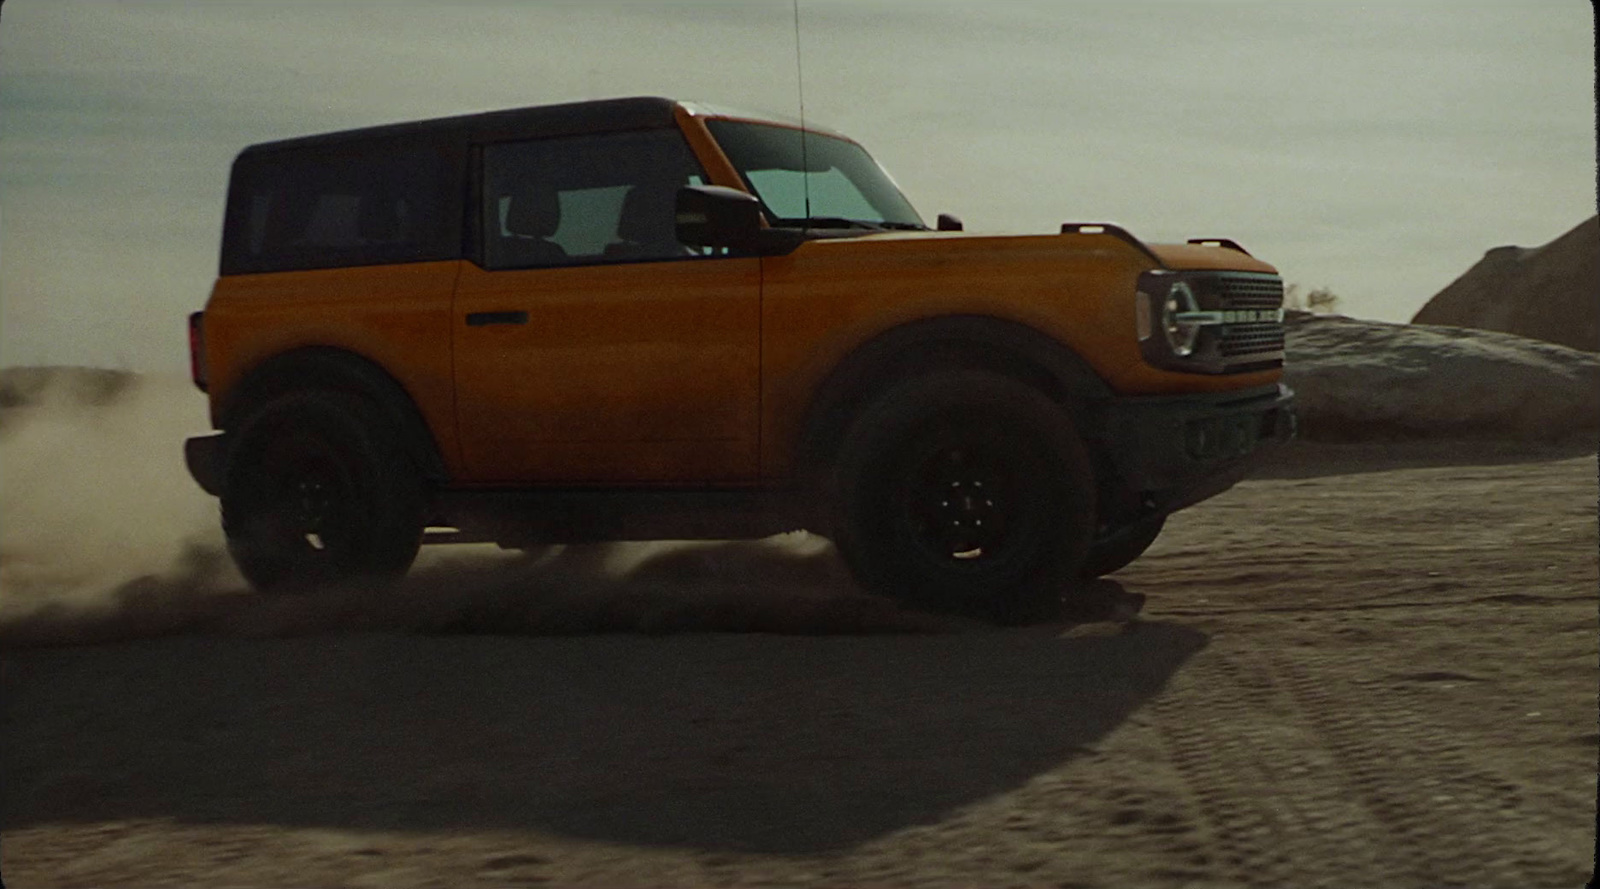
(317, 492)
(1120, 551)
(909, 498)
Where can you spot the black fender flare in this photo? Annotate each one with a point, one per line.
(329, 368)
(966, 341)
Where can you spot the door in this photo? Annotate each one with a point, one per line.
(589, 345)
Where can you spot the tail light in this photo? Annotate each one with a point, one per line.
(197, 350)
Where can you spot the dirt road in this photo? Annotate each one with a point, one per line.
(1385, 676)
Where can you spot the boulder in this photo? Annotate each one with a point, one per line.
(1362, 380)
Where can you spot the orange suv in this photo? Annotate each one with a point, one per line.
(641, 318)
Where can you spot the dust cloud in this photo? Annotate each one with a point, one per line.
(104, 537)
(94, 495)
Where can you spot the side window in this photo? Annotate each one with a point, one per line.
(383, 204)
(585, 199)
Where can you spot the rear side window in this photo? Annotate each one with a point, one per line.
(324, 209)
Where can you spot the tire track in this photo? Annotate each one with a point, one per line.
(1305, 780)
(1259, 779)
(1459, 824)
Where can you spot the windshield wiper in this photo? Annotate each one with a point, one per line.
(836, 222)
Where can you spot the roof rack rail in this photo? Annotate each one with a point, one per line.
(1229, 243)
(1112, 229)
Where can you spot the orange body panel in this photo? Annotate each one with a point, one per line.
(1200, 256)
(397, 316)
(829, 297)
(633, 373)
(719, 170)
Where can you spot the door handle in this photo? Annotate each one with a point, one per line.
(479, 319)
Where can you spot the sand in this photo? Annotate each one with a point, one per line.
(1373, 664)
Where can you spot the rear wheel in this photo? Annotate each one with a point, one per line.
(969, 492)
(318, 491)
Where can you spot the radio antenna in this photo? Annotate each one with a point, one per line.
(800, 87)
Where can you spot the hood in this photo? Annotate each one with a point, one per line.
(1208, 256)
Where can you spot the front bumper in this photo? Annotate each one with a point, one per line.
(1178, 450)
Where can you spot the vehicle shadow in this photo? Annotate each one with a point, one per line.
(749, 741)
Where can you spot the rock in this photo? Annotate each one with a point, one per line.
(1550, 293)
(1361, 380)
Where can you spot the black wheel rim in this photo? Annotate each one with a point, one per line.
(959, 502)
(304, 508)
(965, 501)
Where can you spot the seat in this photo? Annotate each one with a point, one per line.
(533, 216)
(648, 227)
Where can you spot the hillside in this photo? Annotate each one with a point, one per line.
(1549, 293)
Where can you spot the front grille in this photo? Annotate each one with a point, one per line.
(1251, 291)
(1233, 321)
(1255, 339)
(1251, 339)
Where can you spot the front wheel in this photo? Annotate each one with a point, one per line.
(318, 492)
(966, 491)
(1121, 549)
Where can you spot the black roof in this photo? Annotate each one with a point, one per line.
(569, 119)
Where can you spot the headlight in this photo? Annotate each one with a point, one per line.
(1179, 319)
(1204, 321)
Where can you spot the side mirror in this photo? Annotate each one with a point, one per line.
(716, 216)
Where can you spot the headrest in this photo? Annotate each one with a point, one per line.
(649, 214)
(534, 213)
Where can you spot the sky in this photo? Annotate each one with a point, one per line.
(1375, 149)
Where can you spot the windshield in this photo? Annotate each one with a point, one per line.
(844, 184)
